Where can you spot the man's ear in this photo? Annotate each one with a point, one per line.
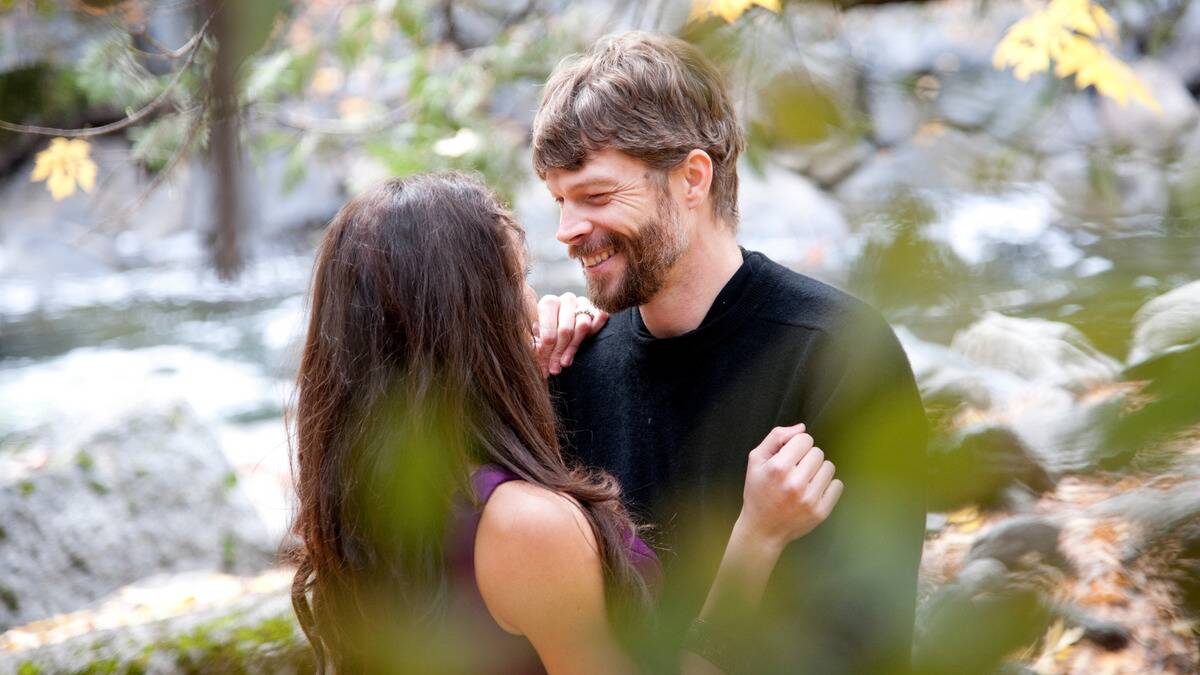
(697, 170)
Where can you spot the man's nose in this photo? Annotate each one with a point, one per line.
(572, 228)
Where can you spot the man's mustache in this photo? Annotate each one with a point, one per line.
(594, 245)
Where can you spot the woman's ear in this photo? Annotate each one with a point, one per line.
(697, 172)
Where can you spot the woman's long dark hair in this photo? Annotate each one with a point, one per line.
(417, 366)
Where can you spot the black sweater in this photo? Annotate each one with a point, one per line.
(674, 418)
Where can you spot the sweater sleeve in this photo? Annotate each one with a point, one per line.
(851, 585)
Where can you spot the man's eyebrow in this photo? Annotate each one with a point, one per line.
(605, 181)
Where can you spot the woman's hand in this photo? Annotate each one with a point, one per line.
(563, 323)
(789, 490)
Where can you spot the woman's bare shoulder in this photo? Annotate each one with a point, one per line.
(535, 556)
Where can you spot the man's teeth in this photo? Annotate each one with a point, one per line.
(593, 260)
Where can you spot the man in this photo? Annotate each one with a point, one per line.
(709, 347)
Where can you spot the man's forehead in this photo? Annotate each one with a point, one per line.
(601, 168)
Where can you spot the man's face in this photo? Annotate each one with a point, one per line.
(619, 221)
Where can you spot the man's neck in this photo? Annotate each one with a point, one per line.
(693, 284)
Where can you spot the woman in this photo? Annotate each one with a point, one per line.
(438, 518)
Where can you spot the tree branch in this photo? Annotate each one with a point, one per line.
(193, 44)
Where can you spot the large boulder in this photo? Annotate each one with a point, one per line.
(1049, 352)
(1152, 131)
(1167, 323)
(150, 493)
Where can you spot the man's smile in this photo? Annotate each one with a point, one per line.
(591, 261)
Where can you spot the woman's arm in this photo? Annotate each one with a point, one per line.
(789, 490)
(539, 571)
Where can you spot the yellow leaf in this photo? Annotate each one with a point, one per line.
(729, 10)
(1064, 32)
(65, 163)
(962, 515)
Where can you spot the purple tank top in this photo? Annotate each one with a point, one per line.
(508, 653)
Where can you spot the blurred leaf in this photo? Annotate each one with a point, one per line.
(799, 111)
(1064, 32)
(110, 74)
(157, 142)
(1173, 390)
(63, 165)
(729, 10)
(900, 266)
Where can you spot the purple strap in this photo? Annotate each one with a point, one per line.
(491, 476)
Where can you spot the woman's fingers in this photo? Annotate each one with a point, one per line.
(791, 452)
(830, 497)
(585, 326)
(776, 438)
(808, 466)
(819, 482)
(547, 330)
(566, 331)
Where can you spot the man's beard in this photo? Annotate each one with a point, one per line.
(649, 255)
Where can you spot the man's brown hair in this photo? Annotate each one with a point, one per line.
(654, 97)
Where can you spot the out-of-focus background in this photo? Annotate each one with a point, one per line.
(1023, 209)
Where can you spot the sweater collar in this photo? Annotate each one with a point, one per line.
(735, 302)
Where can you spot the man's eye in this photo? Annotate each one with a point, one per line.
(599, 197)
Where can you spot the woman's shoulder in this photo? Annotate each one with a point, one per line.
(521, 513)
(534, 552)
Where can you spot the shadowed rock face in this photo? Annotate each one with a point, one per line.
(142, 496)
(976, 466)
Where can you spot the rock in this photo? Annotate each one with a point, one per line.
(1035, 349)
(151, 493)
(898, 40)
(886, 174)
(1167, 323)
(1108, 634)
(1067, 124)
(1182, 53)
(1098, 186)
(935, 522)
(895, 115)
(828, 161)
(1064, 432)
(517, 101)
(982, 575)
(1019, 543)
(1162, 516)
(973, 623)
(1150, 131)
(254, 634)
(937, 159)
(975, 466)
(947, 379)
(796, 222)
